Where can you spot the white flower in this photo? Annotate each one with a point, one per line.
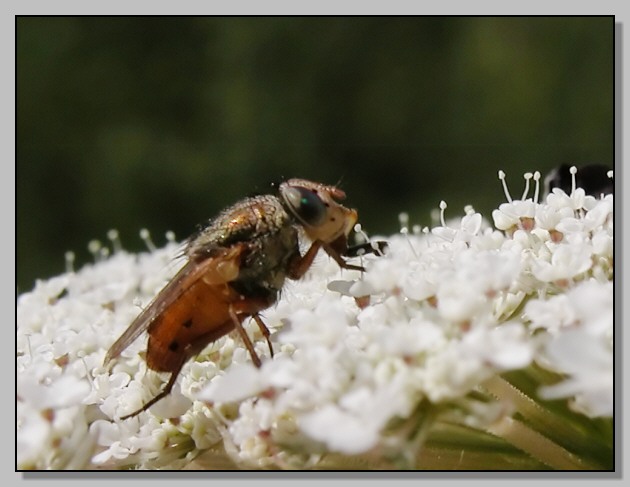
(465, 363)
(239, 382)
(580, 345)
(588, 362)
(469, 227)
(567, 262)
(33, 432)
(364, 363)
(551, 314)
(510, 215)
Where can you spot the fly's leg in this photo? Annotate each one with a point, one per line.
(299, 265)
(165, 392)
(339, 259)
(236, 311)
(244, 337)
(250, 307)
(264, 330)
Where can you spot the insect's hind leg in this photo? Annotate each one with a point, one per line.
(246, 340)
(264, 330)
(163, 393)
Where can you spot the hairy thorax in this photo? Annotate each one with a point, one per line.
(270, 241)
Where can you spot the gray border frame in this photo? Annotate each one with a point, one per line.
(340, 7)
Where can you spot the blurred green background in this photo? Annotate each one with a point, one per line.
(159, 122)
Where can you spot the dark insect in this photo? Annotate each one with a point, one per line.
(593, 178)
(236, 267)
(376, 248)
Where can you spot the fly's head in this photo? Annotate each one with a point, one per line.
(317, 209)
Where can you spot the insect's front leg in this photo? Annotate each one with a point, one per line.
(334, 253)
(300, 264)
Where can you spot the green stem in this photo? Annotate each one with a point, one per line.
(524, 437)
(538, 446)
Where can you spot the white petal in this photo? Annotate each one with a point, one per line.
(340, 431)
(239, 382)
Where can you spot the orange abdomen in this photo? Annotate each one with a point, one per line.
(199, 316)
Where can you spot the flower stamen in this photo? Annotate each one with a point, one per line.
(537, 188)
(505, 188)
(443, 207)
(69, 256)
(527, 176)
(403, 218)
(94, 247)
(145, 235)
(114, 237)
(573, 171)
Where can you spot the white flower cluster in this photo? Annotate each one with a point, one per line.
(357, 355)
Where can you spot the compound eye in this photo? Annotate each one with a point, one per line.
(305, 205)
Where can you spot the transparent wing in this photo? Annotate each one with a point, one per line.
(220, 268)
